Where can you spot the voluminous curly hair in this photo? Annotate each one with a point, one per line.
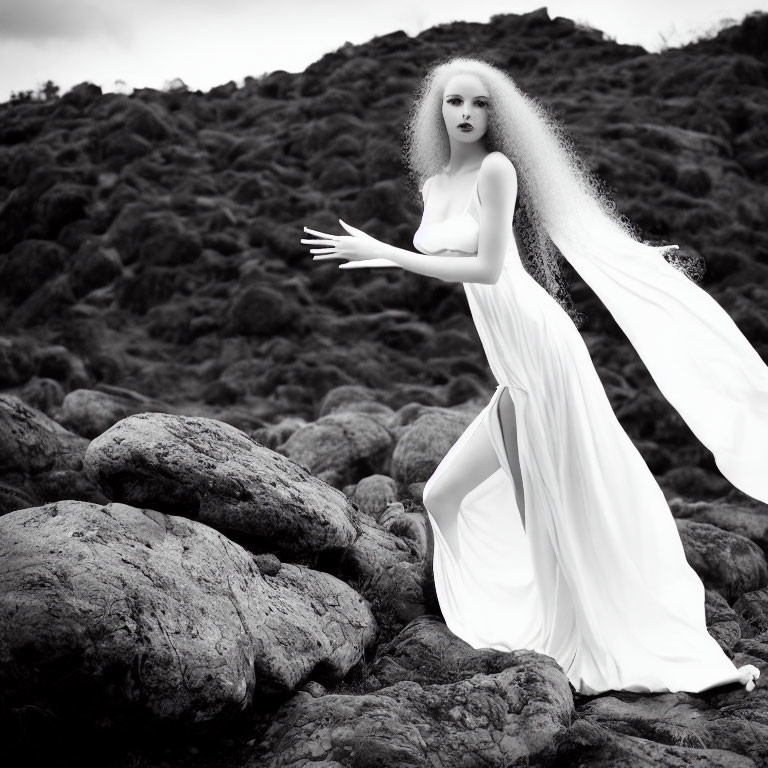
(554, 183)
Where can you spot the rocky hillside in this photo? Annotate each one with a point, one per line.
(151, 242)
(213, 550)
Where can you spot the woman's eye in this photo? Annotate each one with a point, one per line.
(482, 103)
(454, 100)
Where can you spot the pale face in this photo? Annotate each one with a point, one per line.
(465, 103)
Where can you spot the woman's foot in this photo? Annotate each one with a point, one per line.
(749, 673)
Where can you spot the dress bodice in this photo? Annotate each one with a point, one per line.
(456, 233)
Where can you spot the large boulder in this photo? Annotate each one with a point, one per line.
(750, 520)
(209, 470)
(444, 704)
(726, 562)
(112, 613)
(673, 729)
(40, 459)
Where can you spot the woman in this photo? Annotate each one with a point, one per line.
(551, 533)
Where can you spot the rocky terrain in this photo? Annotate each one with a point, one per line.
(213, 550)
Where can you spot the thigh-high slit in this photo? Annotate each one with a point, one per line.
(486, 586)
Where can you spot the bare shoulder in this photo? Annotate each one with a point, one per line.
(497, 181)
(498, 166)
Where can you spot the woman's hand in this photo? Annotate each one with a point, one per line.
(357, 247)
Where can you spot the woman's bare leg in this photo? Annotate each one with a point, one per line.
(509, 433)
(473, 463)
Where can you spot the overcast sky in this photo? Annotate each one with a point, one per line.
(122, 45)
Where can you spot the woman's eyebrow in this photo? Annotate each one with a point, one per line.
(449, 95)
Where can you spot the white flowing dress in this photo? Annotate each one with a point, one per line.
(598, 578)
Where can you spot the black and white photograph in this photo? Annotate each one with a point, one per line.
(383, 385)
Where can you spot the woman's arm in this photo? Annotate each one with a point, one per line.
(382, 262)
(498, 185)
(451, 266)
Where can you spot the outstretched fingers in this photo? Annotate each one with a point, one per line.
(322, 235)
(352, 230)
(330, 249)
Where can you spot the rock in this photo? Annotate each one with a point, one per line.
(259, 310)
(381, 199)
(275, 85)
(425, 442)
(725, 562)
(757, 647)
(373, 494)
(141, 288)
(406, 414)
(465, 391)
(121, 147)
(694, 144)
(267, 563)
(378, 411)
(413, 492)
(392, 512)
(669, 729)
(89, 412)
(203, 468)
(694, 180)
(63, 203)
(40, 459)
(657, 458)
(27, 266)
(695, 482)
(751, 522)
(314, 689)
(488, 708)
(112, 613)
(412, 527)
(42, 394)
(274, 435)
(337, 175)
(388, 572)
(356, 399)
(145, 120)
(12, 498)
(154, 238)
(82, 95)
(752, 609)
(48, 303)
(341, 447)
(93, 266)
(722, 621)
(57, 362)
(17, 364)
(171, 244)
